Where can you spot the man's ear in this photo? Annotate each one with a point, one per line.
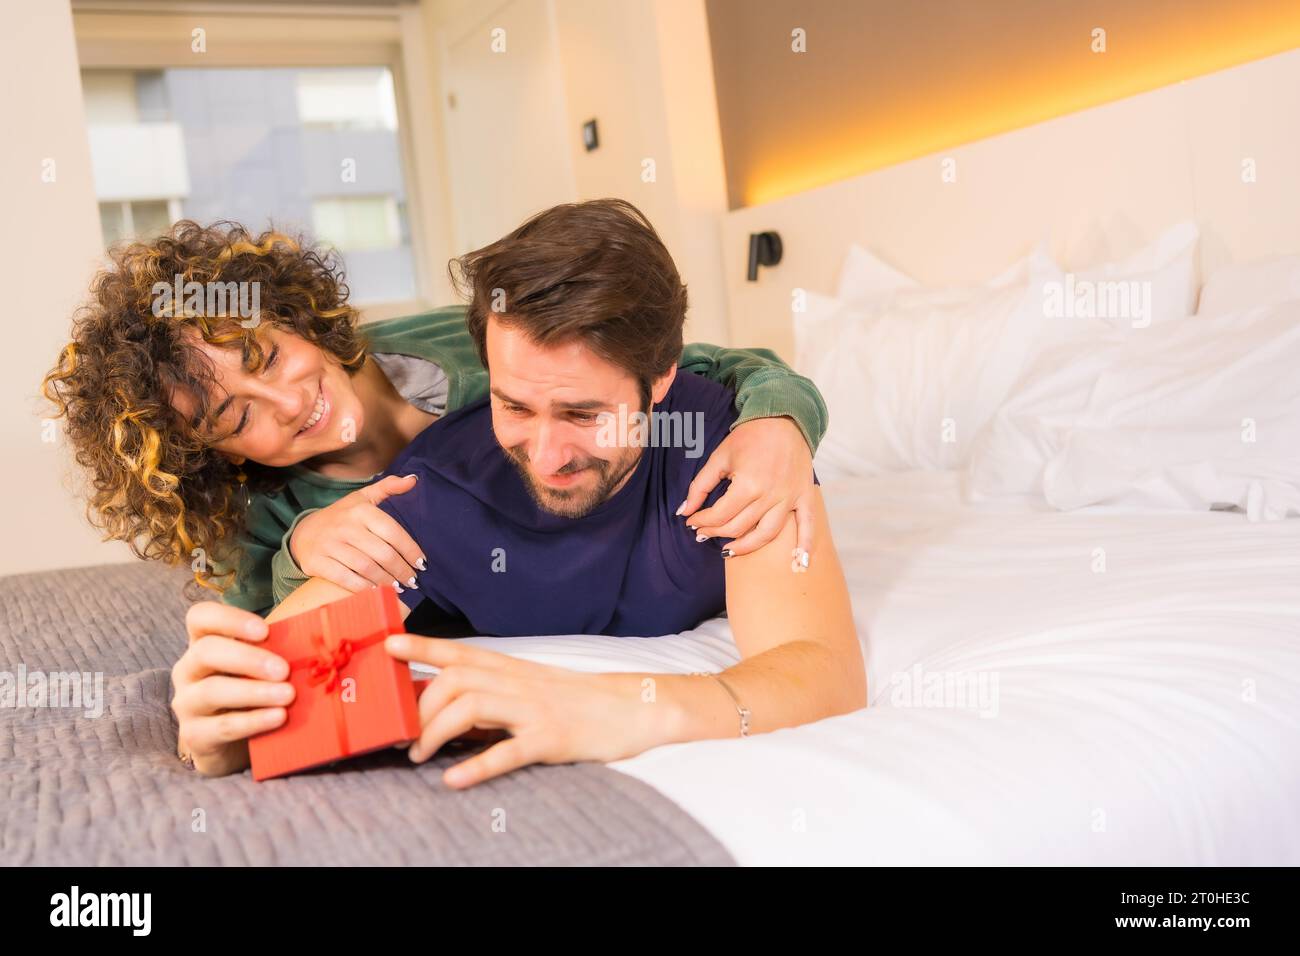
(659, 387)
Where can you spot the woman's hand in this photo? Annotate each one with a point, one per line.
(226, 688)
(770, 467)
(552, 715)
(355, 545)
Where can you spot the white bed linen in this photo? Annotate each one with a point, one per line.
(1145, 714)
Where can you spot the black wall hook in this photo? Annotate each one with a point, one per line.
(764, 250)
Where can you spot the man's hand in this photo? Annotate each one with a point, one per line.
(770, 467)
(552, 715)
(354, 544)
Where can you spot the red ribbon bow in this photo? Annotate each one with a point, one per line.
(327, 668)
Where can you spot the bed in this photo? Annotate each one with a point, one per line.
(96, 781)
(1145, 715)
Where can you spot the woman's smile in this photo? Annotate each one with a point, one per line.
(319, 414)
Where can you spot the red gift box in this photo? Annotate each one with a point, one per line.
(352, 696)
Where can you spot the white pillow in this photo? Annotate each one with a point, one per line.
(1183, 416)
(864, 277)
(911, 377)
(913, 374)
(1156, 284)
(1249, 285)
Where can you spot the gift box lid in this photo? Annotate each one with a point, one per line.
(367, 616)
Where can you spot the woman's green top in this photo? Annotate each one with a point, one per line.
(765, 387)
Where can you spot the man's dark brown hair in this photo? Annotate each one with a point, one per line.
(595, 271)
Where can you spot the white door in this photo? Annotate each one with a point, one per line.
(508, 140)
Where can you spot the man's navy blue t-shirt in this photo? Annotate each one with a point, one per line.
(630, 567)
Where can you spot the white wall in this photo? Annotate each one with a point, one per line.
(508, 153)
(643, 69)
(49, 249)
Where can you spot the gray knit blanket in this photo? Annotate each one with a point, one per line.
(91, 777)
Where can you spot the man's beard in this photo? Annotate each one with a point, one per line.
(575, 502)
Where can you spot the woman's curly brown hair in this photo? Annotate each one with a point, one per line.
(157, 482)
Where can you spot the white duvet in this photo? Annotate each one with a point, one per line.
(1096, 687)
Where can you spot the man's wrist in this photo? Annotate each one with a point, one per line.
(678, 708)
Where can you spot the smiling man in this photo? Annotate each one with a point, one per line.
(545, 509)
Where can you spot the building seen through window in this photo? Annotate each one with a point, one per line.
(307, 150)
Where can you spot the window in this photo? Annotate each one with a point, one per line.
(358, 222)
(142, 219)
(304, 150)
(347, 99)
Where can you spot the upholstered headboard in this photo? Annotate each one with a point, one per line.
(1222, 149)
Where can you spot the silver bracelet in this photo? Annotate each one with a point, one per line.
(741, 709)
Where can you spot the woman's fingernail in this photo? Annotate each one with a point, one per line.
(395, 643)
(727, 552)
(692, 526)
(803, 558)
(701, 537)
(411, 583)
(398, 588)
(680, 508)
(413, 475)
(419, 564)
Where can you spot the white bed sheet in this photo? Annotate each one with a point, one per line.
(1147, 713)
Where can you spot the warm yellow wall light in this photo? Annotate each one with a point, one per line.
(1038, 91)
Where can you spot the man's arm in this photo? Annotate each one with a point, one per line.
(800, 656)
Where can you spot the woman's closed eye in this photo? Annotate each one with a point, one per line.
(271, 359)
(243, 422)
